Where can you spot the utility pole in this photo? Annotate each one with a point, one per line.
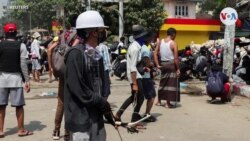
(121, 24)
(30, 20)
(88, 4)
(229, 44)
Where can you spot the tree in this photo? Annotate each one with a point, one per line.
(43, 12)
(213, 5)
(110, 15)
(148, 13)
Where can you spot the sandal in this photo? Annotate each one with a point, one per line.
(158, 104)
(169, 106)
(2, 135)
(25, 133)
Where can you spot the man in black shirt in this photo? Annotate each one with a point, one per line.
(84, 105)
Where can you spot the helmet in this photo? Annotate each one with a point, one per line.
(10, 27)
(56, 38)
(36, 35)
(123, 51)
(237, 50)
(89, 19)
(139, 31)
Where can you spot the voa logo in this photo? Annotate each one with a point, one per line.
(228, 16)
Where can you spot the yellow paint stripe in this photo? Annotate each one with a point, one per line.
(191, 27)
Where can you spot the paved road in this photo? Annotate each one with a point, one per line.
(193, 120)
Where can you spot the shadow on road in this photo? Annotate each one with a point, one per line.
(32, 126)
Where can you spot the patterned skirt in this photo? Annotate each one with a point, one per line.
(169, 85)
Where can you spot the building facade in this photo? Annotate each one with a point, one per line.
(182, 17)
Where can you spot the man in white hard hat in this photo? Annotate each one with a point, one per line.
(84, 104)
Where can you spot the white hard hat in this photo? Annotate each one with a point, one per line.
(89, 19)
(237, 50)
(36, 35)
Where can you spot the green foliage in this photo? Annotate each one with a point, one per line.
(213, 5)
(42, 12)
(149, 13)
(110, 14)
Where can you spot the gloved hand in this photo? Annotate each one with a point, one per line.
(106, 108)
(108, 113)
(109, 118)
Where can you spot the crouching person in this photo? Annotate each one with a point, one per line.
(218, 85)
(84, 105)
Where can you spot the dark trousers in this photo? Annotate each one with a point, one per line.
(139, 101)
(106, 85)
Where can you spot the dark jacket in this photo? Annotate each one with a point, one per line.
(246, 64)
(10, 56)
(82, 103)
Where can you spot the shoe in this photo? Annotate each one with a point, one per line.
(149, 119)
(212, 101)
(225, 100)
(56, 135)
(66, 138)
(135, 117)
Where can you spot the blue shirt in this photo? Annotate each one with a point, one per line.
(105, 55)
(145, 52)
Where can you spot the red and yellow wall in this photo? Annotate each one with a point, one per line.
(189, 30)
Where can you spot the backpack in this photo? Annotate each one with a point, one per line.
(58, 55)
(214, 83)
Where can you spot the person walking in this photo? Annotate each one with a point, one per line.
(169, 65)
(84, 105)
(14, 78)
(134, 77)
(147, 81)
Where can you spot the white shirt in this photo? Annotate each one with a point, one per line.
(35, 46)
(166, 52)
(133, 58)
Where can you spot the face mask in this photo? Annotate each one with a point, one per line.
(39, 41)
(238, 55)
(102, 36)
(39, 38)
(140, 41)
